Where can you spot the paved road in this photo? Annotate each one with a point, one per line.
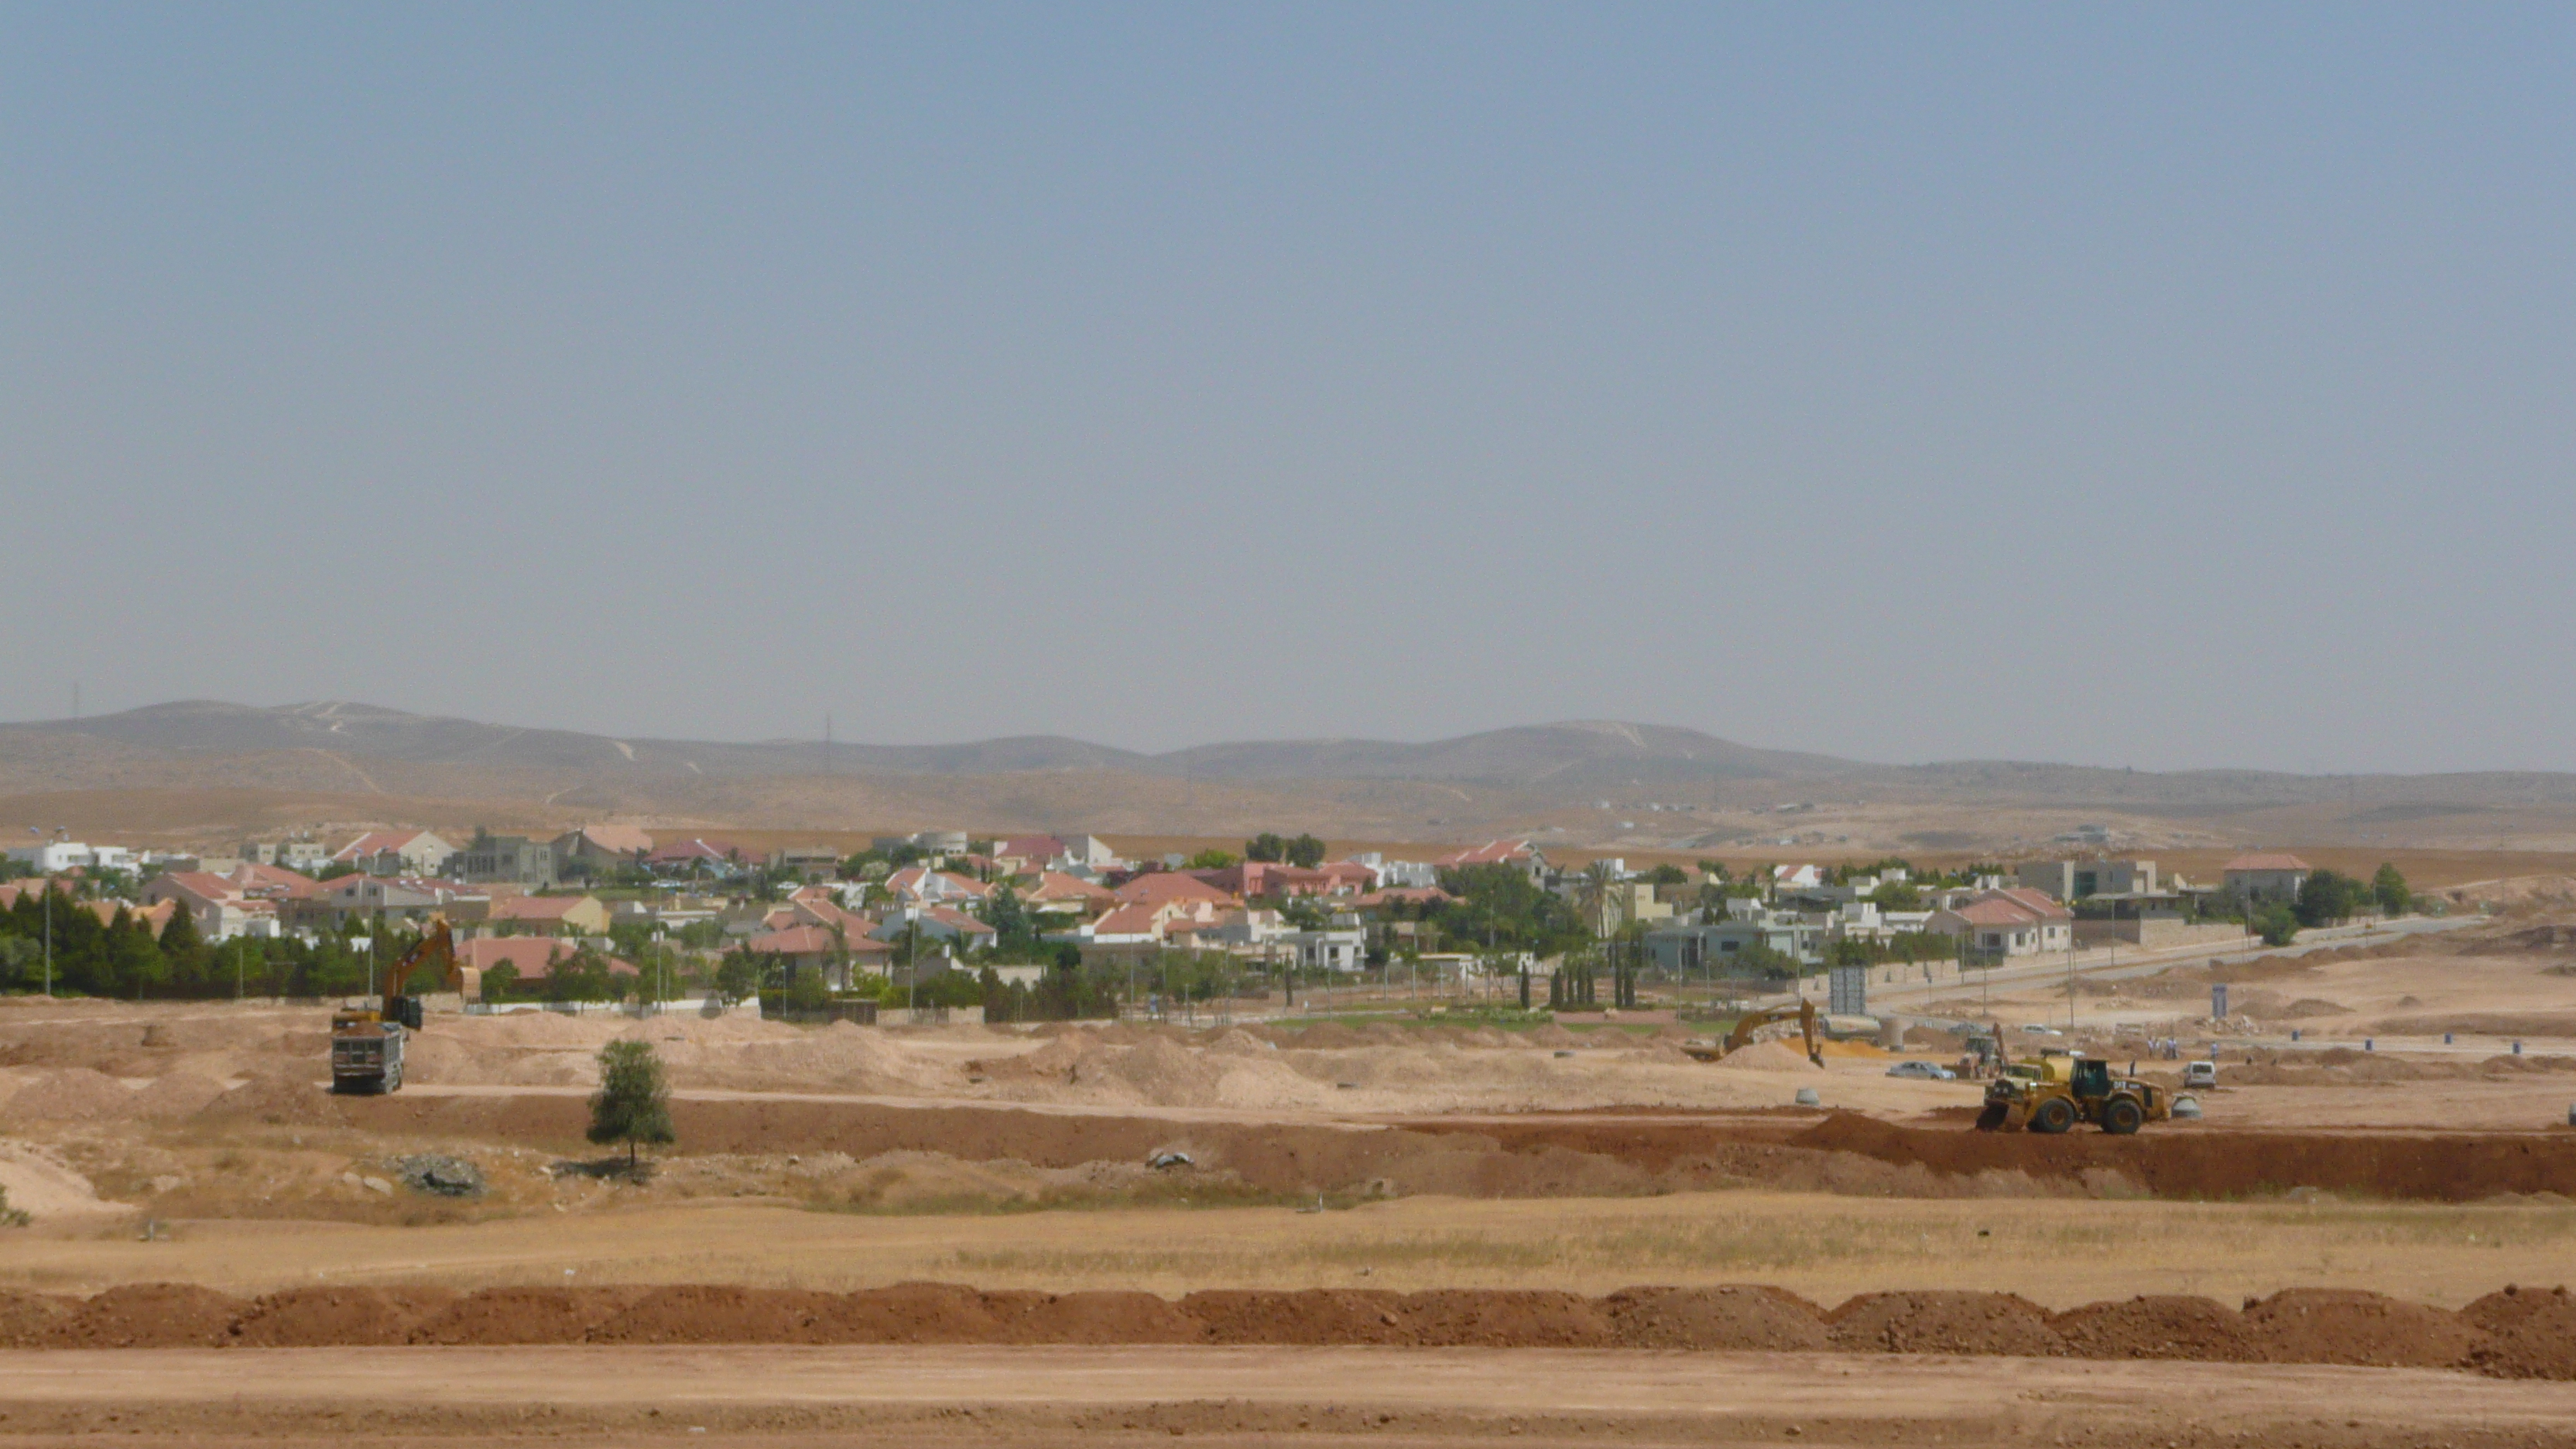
(2129, 965)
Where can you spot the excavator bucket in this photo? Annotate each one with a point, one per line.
(1992, 1118)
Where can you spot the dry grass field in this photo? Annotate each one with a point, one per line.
(191, 1145)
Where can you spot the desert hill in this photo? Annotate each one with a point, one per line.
(208, 766)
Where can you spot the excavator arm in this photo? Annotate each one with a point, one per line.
(1804, 1013)
(436, 946)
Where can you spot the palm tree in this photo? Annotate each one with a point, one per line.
(1598, 893)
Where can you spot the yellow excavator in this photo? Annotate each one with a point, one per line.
(367, 1041)
(1804, 1013)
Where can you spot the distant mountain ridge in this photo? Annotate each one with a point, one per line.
(1566, 754)
(340, 743)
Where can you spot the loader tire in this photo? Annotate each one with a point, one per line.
(2120, 1117)
(2053, 1116)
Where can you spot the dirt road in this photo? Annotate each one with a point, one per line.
(1011, 1396)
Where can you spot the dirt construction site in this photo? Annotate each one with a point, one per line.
(1393, 1225)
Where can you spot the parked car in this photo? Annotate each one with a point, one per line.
(1925, 1071)
(2035, 1029)
(2200, 1074)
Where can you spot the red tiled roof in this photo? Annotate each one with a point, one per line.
(274, 880)
(1129, 920)
(793, 941)
(2038, 902)
(204, 885)
(957, 920)
(532, 955)
(1167, 885)
(2267, 860)
(1057, 886)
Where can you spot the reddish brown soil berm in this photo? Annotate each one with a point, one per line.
(2455, 1167)
(2515, 1333)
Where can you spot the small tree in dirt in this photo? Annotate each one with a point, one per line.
(633, 1104)
(2278, 925)
(2388, 888)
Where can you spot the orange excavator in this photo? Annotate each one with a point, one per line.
(367, 1041)
(1804, 1013)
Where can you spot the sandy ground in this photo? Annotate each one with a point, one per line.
(810, 1160)
(2056, 1252)
(1045, 1395)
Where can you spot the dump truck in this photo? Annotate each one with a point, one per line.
(2060, 1089)
(1804, 1013)
(367, 1041)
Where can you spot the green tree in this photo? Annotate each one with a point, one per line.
(633, 1103)
(135, 962)
(737, 976)
(1213, 859)
(806, 992)
(2277, 924)
(2389, 889)
(1013, 930)
(1305, 852)
(1600, 895)
(1667, 874)
(500, 982)
(179, 940)
(1266, 847)
(2327, 898)
(1898, 896)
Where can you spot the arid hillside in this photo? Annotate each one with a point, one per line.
(204, 771)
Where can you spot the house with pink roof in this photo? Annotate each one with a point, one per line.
(2016, 922)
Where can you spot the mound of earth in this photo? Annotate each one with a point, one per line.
(149, 1315)
(2514, 1333)
(276, 1100)
(2155, 1326)
(2350, 1326)
(2531, 1333)
(1749, 1318)
(72, 1094)
(1944, 1321)
(354, 1315)
(526, 1315)
(175, 1095)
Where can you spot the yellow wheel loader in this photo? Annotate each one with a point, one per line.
(2057, 1091)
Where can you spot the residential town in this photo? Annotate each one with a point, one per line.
(1061, 925)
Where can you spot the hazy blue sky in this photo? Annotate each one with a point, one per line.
(2154, 385)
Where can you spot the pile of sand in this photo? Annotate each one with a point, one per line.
(276, 1100)
(1165, 1075)
(72, 1094)
(1767, 1056)
(176, 1094)
(45, 1188)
